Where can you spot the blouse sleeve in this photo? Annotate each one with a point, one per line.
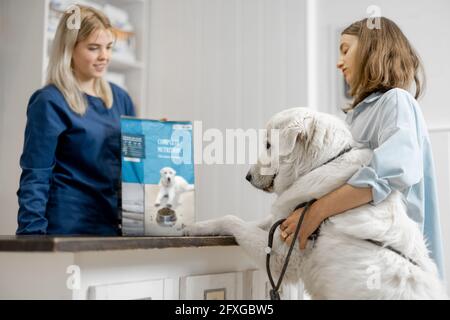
(44, 125)
(397, 162)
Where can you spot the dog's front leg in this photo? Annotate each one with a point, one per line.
(225, 225)
(253, 240)
(264, 224)
(213, 227)
(171, 196)
(159, 197)
(249, 236)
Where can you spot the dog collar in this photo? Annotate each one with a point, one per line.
(340, 154)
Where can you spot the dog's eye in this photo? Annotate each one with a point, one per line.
(268, 145)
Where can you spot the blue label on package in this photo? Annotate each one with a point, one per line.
(149, 145)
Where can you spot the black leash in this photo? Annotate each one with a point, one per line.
(274, 294)
(380, 244)
(348, 149)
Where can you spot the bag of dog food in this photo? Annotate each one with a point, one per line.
(157, 177)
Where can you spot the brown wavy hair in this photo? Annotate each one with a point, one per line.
(385, 59)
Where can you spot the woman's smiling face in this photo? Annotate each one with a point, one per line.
(91, 57)
(346, 62)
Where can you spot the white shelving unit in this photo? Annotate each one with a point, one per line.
(127, 71)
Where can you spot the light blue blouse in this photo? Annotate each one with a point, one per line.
(392, 125)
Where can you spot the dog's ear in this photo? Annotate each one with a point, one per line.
(328, 132)
(288, 138)
(297, 132)
(174, 172)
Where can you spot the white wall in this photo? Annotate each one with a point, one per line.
(231, 64)
(2, 63)
(21, 51)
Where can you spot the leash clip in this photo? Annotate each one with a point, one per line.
(274, 295)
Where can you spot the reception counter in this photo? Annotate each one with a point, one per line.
(80, 244)
(42, 267)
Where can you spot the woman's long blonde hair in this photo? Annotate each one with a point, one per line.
(60, 73)
(384, 60)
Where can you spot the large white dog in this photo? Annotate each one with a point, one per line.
(341, 264)
(170, 187)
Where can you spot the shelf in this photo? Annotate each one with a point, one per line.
(126, 2)
(119, 64)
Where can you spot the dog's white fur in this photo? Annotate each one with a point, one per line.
(340, 265)
(171, 186)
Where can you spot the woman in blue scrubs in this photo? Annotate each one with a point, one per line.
(380, 66)
(70, 180)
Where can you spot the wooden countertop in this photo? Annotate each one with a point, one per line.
(79, 244)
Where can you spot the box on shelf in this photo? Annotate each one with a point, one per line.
(157, 177)
(63, 5)
(124, 45)
(119, 18)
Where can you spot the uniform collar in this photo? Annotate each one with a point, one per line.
(369, 100)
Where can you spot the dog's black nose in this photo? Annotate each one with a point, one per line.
(249, 177)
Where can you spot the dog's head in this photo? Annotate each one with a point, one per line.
(298, 141)
(167, 176)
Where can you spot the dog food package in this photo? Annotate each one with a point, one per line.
(157, 177)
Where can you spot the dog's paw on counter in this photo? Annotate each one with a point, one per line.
(207, 228)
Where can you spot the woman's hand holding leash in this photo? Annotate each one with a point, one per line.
(311, 222)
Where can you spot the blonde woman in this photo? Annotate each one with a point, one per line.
(380, 66)
(71, 156)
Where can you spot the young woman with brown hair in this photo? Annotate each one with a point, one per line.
(381, 67)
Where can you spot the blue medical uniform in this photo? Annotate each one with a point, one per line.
(71, 166)
(392, 125)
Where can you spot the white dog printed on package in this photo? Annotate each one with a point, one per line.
(171, 186)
